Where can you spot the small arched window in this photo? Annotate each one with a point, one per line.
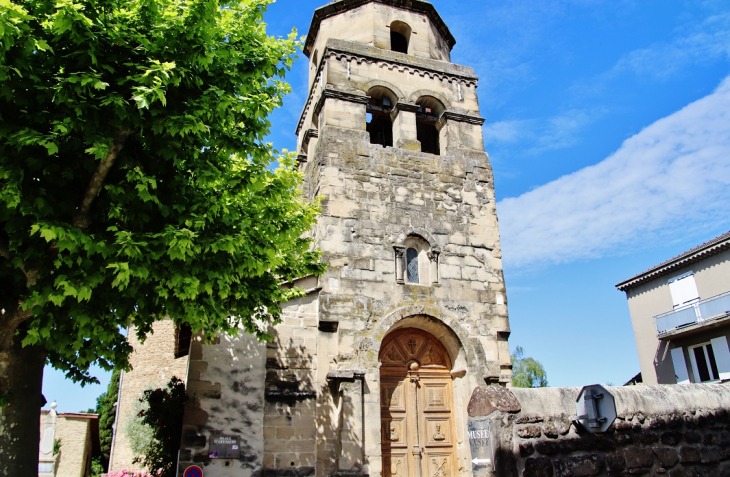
(412, 265)
(400, 36)
(416, 262)
(429, 112)
(379, 124)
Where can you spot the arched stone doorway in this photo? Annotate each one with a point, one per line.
(416, 406)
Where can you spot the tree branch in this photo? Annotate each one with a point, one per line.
(11, 320)
(82, 219)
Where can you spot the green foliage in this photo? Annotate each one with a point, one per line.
(527, 372)
(163, 415)
(56, 446)
(139, 435)
(134, 177)
(107, 411)
(97, 468)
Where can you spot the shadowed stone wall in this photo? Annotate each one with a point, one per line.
(678, 430)
(153, 364)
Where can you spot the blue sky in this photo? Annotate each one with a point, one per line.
(608, 128)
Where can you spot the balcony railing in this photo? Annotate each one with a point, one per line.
(696, 313)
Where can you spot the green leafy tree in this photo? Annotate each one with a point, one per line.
(527, 372)
(135, 184)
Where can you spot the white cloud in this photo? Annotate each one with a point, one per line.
(698, 43)
(672, 175)
(506, 131)
(540, 135)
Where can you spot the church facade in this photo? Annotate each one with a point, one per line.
(372, 371)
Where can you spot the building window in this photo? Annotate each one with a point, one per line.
(412, 265)
(400, 36)
(379, 125)
(704, 364)
(183, 336)
(429, 111)
(684, 290)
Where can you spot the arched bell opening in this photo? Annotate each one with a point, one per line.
(416, 405)
(400, 36)
(377, 112)
(429, 111)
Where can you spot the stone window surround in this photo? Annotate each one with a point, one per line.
(432, 252)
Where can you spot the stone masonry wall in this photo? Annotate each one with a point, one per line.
(153, 364)
(678, 430)
(75, 437)
(73, 432)
(259, 392)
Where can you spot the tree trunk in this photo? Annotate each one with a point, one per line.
(21, 377)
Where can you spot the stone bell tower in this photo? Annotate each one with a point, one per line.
(371, 372)
(411, 314)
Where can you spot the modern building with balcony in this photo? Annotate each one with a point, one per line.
(680, 311)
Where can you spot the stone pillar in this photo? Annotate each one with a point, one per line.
(350, 425)
(341, 109)
(433, 255)
(399, 264)
(460, 129)
(404, 126)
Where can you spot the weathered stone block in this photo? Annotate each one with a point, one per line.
(529, 432)
(579, 466)
(615, 463)
(638, 458)
(671, 438)
(693, 437)
(486, 399)
(710, 455)
(688, 455)
(549, 448)
(646, 437)
(526, 449)
(667, 456)
(538, 467)
(550, 431)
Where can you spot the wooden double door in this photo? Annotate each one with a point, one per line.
(416, 406)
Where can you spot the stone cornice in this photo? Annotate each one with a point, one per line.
(462, 118)
(330, 92)
(340, 6)
(361, 51)
(309, 134)
(407, 107)
(352, 51)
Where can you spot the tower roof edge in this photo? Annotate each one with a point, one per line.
(339, 6)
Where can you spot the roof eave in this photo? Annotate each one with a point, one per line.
(680, 261)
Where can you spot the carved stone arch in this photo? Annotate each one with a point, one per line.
(422, 233)
(427, 92)
(397, 93)
(440, 323)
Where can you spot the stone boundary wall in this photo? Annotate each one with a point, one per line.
(673, 430)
